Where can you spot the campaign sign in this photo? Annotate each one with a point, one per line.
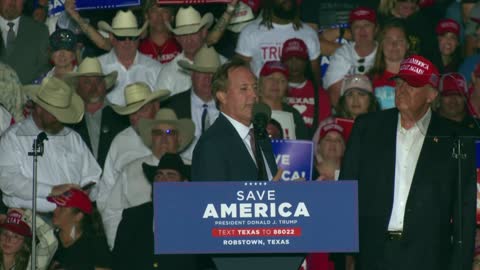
(295, 157)
(255, 217)
(56, 6)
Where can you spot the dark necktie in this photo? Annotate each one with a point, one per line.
(205, 118)
(10, 38)
(257, 152)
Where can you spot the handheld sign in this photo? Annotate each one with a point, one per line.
(57, 6)
(255, 217)
(294, 157)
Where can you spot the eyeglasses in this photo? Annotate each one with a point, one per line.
(167, 132)
(361, 67)
(11, 236)
(123, 38)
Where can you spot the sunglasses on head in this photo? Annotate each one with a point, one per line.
(119, 38)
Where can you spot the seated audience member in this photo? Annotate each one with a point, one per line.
(310, 99)
(11, 94)
(100, 124)
(139, 219)
(392, 49)
(163, 134)
(356, 57)
(329, 151)
(81, 243)
(66, 161)
(453, 102)
(273, 85)
(356, 97)
(448, 57)
(16, 241)
(127, 145)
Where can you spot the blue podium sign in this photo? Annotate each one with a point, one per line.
(295, 157)
(255, 217)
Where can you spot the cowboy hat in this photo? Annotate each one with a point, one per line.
(136, 95)
(167, 161)
(189, 21)
(90, 66)
(124, 24)
(206, 60)
(242, 15)
(58, 98)
(185, 127)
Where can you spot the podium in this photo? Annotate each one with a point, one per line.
(256, 225)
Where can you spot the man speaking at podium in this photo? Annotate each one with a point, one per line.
(409, 216)
(234, 149)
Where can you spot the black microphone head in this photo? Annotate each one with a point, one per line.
(42, 136)
(261, 110)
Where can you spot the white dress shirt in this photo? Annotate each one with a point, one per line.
(144, 69)
(244, 133)
(4, 27)
(408, 147)
(66, 159)
(196, 106)
(131, 189)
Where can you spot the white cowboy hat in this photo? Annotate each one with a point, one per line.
(189, 21)
(206, 60)
(136, 95)
(90, 66)
(242, 15)
(58, 98)
(185, 127)
(124, 24)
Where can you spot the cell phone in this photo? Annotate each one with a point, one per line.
(88, 186)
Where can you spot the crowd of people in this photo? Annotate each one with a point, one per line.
(163, 92)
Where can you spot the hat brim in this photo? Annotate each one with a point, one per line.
(18, 229)
(68, 115)
(71, 78)
(411, 80)
(356, 88)
(238, 27)
(160, 94)
(207, 20)
(185, 129)
(149, 171)
(122, 32)
(192, 67)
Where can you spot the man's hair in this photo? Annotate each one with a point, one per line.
(267, 15)
(220, 77)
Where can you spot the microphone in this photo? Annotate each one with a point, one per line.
(261, 116)
(37, 148)
(42, 136)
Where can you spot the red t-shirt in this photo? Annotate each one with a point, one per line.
(384, 80)
(164, 53)
(302, 98)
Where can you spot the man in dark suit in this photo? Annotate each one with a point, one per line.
(407, 180)
(197, 103)
(100, 124)
(25, 42)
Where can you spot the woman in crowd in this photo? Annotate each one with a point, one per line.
(329, 151)
(273, 85)
(448, 58)
(16, 241)
(393, 48)
(82, 245)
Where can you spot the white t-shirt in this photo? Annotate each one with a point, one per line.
(346, 61)
(262, 44)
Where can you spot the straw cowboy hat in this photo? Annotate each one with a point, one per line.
(90, 66)
(242, 15)
(58, 98)
(124, 24)
(189, 21)
(206, 60)
(136, 95)
(185, 127)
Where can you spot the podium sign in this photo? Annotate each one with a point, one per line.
(255, 217)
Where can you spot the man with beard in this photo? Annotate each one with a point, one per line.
(66, 162)
(262, 40)
(100, 124)
(19, 33)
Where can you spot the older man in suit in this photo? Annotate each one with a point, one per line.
(407, 180)
(25, 42)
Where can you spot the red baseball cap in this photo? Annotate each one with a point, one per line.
(17, 223)
(447, 25)
(418, 71)
(362, 13)
(294, 47)
(274, 66)
(332, 127)
(74, 198)
(452, 84)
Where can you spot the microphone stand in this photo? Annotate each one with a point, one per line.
(37, 151)
(457, 153)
